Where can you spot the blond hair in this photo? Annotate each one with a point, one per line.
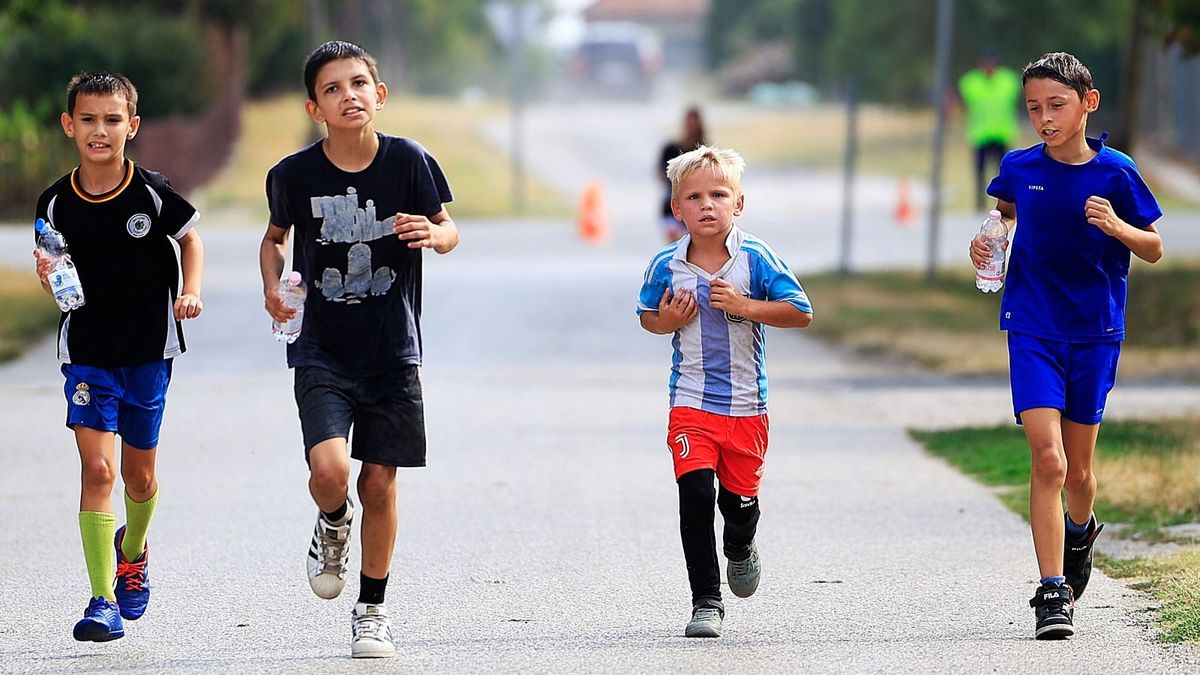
(722, 161)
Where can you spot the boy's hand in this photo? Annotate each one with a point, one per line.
(44, 263)
(723, 296)
(981, 254)
(1100, 213)
(418, 231)
(275, 306)
(188, 306)
(676, 312)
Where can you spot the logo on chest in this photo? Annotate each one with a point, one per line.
(138, 225)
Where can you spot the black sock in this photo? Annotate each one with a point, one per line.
(697, 497)
(337, 514)
(371, 591)
(741, 522)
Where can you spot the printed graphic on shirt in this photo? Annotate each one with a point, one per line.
(82, 395)
(138, 225)
(343, 221)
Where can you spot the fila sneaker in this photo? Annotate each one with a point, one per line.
(329, 553)
(1077, 557)
(1054, 607)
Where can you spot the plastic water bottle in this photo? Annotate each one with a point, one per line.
(293, 292)
(63, 277)
(990, 278)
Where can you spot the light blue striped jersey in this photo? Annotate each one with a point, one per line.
(719, 361)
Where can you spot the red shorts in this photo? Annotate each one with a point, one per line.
(734, 447)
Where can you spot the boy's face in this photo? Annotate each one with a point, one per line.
(706, 203)
(100, 126)
(347, 95)
(1056, 112)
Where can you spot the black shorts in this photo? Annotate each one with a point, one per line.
(386, 411)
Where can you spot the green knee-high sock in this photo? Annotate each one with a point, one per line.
(97, 530)
(137, 522)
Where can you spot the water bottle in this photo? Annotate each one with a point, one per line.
(63, 277)
(293, 292)
(990, 278)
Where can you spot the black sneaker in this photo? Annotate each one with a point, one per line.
(1077, 558)
(1054, 607)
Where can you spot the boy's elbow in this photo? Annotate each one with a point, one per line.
(804, 320)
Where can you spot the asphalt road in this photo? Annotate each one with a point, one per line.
(543, 535)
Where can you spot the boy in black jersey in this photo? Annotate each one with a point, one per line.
(116, 350)
(363, 205)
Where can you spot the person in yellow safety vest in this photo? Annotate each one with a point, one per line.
(990, 94)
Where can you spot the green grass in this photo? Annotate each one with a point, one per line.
(950, 327)
(1149, 479)
(1175, 582)
(26, 312)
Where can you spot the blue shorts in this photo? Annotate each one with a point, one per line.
(1072, 377)
(129, 401)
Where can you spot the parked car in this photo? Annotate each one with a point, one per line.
(616, 59)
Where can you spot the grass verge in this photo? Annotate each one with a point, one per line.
(26, 312)
(1149, 473)
(948, 326)
(480, 175)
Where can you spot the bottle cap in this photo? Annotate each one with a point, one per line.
(994, 213)
(293, 278)
(39, 225)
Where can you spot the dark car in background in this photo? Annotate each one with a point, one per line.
(616, 59)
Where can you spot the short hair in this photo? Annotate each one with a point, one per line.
(1062, 68)
(334, 50)
(728, 163)
(99, 84)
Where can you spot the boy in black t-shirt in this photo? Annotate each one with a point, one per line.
(117, 219)
(363, 205)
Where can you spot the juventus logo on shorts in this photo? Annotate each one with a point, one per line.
(138, 225)
(82, 395)
(684, 448)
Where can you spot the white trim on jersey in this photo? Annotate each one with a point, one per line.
(157, 200)
(64, 352)
(187, 227)
(171, 348)
(50, 210)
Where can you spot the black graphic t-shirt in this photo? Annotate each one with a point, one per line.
(129, 271)
(363, 312)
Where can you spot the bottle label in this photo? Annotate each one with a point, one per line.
(64, 280)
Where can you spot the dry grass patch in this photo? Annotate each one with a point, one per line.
(26, 312)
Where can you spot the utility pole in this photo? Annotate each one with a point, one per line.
(945, 30)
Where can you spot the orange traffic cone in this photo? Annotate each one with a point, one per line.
(593, 217)
(904, 207)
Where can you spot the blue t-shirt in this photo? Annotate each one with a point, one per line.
(362, 316)
(1067, 279)
(719, 362)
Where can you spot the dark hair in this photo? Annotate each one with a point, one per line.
(1062, 68)
(332, 51)
(101, 84)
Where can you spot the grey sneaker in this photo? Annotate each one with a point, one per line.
(743, 575)
(372, 632)
(329, 553)
(706, 622)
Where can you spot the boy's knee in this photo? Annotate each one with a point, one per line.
(697, 490)
(99, 472)
(736, 508)
(330, 478)
(1077, 478)
(1049, 464)
(137, 481)
(377, 487)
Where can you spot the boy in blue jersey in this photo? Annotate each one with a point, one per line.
(1083, 209)
(713, 291)
(363, 205)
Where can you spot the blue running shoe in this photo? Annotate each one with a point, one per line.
(133, 581)
(101, 622)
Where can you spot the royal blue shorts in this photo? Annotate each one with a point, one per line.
(129, 401)
(1072, 377)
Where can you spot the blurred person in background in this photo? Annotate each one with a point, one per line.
(990, 95)
(692, 137)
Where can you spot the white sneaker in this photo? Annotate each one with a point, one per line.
(329, 553)
(372, 632)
